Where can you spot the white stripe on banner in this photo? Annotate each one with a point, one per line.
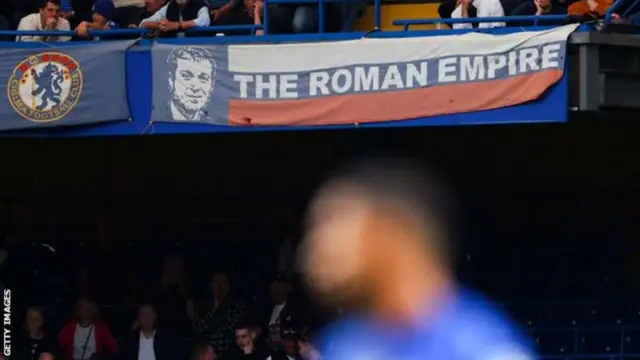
(301, 57)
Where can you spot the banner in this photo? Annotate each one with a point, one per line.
(66, 85)
(357, 81)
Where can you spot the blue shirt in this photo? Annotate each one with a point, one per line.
(467, 328)
(106, 9)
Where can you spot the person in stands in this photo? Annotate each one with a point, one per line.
(104, 17)
(33, 342)
(129, 12)
(178, 16)
(219, 316)
(173, 295)
(148, 341)
(204, 351)
(288, 349)
(86, 336)
(47, 19)
(247, 341)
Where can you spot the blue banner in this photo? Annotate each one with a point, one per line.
(70, 85)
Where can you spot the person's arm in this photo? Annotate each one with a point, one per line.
(490, 8)
(203, 20)
(26, 25)
(64, 26)
(154, 20)
(108, 341)
(223, 10)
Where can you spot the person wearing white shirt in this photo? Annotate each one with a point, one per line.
(47, 19)
(485, 8)
(147, 342)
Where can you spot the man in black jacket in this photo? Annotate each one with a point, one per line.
(148, 340)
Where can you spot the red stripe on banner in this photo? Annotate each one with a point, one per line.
(394, 105)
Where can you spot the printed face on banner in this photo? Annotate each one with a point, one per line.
(192, 72)
(45, 87)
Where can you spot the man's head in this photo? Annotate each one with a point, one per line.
(191, 79)
(372, 221)
(279, 290)
(103, 12)
(35, 319)
(147, 317)
(153, 5)
(245, 336)
(50, 9)
(86, 312)
(220, 284)
(204, 351)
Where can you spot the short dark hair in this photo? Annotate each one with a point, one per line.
(200, 349)
(406, 185)
(44, 3)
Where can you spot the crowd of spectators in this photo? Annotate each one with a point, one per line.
(157, 315)
(577, 11)
(170, 18)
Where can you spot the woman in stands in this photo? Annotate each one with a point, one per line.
(33, 342)
(86, 336)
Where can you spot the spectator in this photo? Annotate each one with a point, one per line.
(282, 314)
(539, 8)
(104, 18)
(204, 351)
(220, 315)
(86, 335)
(246, 339)
(590, 9)
(233, 12)
(147, 341)
(173, 296)
(47, 19)
(151, 6)
(33, 342)
(178, 16)
(484, 8)
(289, 346)
(129, 12)
(307, 347)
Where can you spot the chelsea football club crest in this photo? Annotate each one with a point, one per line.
(45, 87)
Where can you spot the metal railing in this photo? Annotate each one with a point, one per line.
(377, 19)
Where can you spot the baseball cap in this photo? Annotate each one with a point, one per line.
(105, 8)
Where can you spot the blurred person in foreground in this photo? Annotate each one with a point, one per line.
(378, 241)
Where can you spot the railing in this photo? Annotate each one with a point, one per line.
(405, 23)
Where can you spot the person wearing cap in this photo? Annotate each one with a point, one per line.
(104, 18)
(288, 350)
